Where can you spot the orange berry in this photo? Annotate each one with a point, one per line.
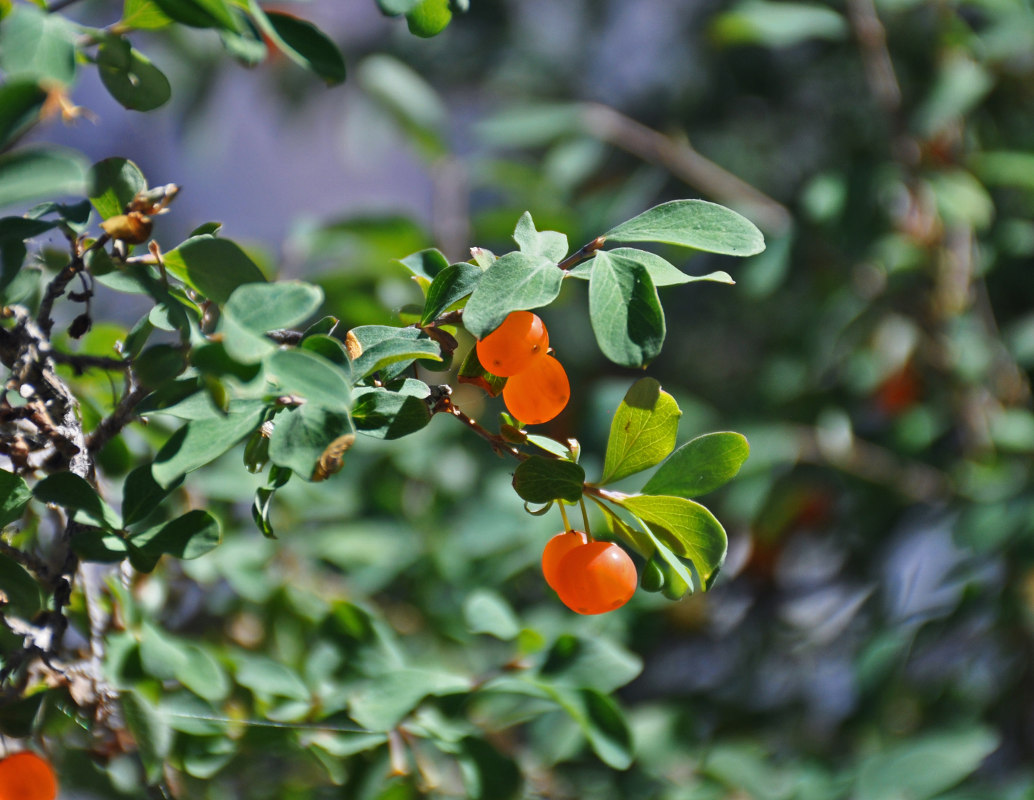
(513, 346)
(555, 549)
(27, 776)
(596, 578)
(539, 393)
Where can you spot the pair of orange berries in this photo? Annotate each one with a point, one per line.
(537, 388)
(591, 577)
(27, 776)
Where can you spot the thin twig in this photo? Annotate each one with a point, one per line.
(123, 414)
(57, 286)
(81, 362)
(683, 161)
(498, 443)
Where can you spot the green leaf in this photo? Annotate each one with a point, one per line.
(112, 184)
(487, 773)
(472, 372)
(19, 588)
(485, 611)
(101, 546)
(151, 732)
(141, 494)
(302, 435)
(642, 432)
(389, 697)
(298, 372)
(590, 663)
(34, 173)
(130, 77)
(159, 364)
(411, 101)
(68, 490)
(203, 440)
(383, 345)
(20, 104)
(685, 526)
(602, 722)
(449, 286)
(269, 679)
(625, 311)
(302, 42)
(143, 15)
(779, 24)
(924, 767)
(203, 674)
(188, 536)
(392, 412)
(263, 306)
(540, 480)
(37, 45)
(514, 282)
(215, 268)
(393, 8)
(425, 265)
(693, 223)
(329, 348)
(662, 272)
(700, 466)
(548, 244)
(199, 13)
(14, 496)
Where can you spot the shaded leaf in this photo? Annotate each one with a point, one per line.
(130, 77)
(203, 440)
(20, 104)
(532, 242)
(388, 698)
(301, 436)
(449, 286)
(188, 536)
(68, 490)
(625, 311)
(33, 173)
(37, 45)
(485, 611)
(19, 589)
(389, 413)
(141, 494)
(14, 496)
(199, 13)
(302, 42)
(540, 480)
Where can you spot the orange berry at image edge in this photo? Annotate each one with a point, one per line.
(539, 393)
(514, 345)
(27, 776)
(595, 578)
(555, 549)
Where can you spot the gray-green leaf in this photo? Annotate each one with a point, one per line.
(516, 281)
(625, 311)
(693, 223)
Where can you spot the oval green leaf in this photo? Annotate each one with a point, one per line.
(642, 432)
(541, 480)
(685, 526)
(41, 172)
(693, 223)
(515, 281)
(189, 536)
(625, 311)
(700, 465)
(130, 77)
(112, 183)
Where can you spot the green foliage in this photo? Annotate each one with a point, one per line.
(642, 432)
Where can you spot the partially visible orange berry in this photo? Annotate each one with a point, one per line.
(539, 393)
(27, 776)
(513, 346)
(555, 549)
(596, 578)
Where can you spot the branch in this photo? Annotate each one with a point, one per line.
(679, 158)
(113, 424)
(82, 362)
(498, 443)
(57, 287)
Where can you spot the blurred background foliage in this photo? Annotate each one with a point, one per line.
(872, 634)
